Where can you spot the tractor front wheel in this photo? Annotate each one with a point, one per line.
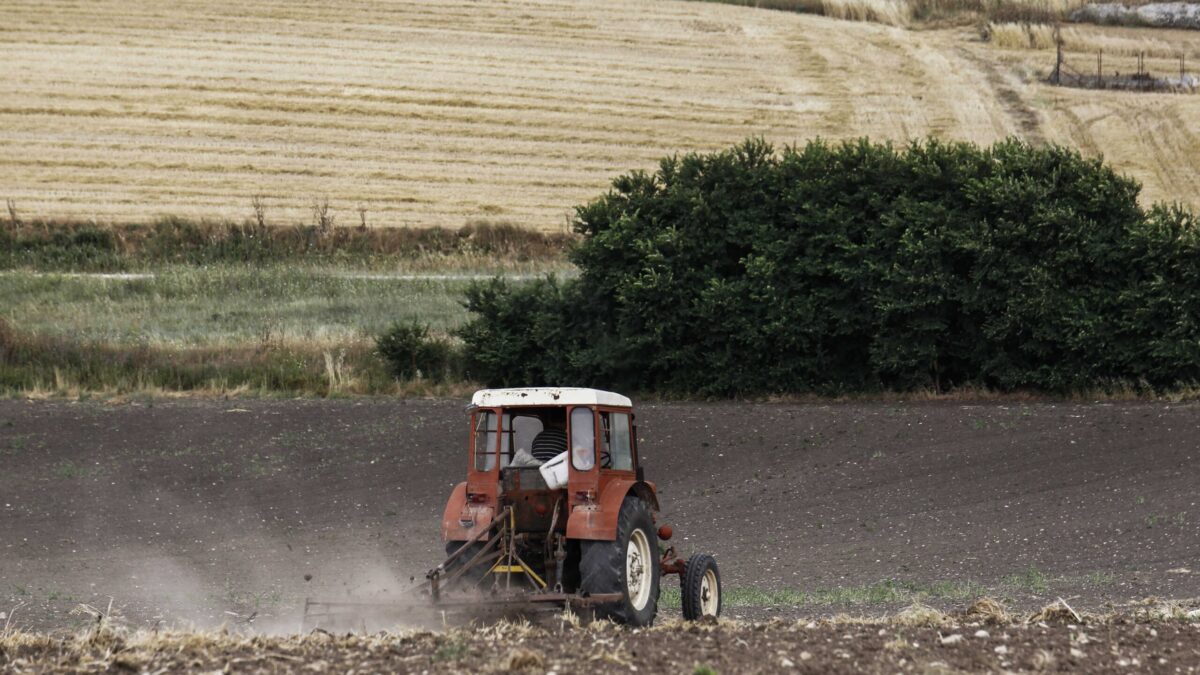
(701, 587)
(628, 566)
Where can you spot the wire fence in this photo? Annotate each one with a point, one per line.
(1122, 72)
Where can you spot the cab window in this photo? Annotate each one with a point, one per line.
(523, 429)
(485, 440)
(616, 448)
(583, 439)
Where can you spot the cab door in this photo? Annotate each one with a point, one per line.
(583, 480)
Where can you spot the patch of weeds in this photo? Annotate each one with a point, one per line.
(1099, 579)
(1140, 500)
(752, 597)
(1032, 579)
(885, 591)
(54, 596)
(878, 454)
(1178, 519)
(889, 591)
(671, 598)
(704, 670)
(70, 470)
(452, 650)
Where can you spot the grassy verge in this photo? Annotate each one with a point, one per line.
(887, 592)
(224, 328)
(892, 592)
(228, 305)
(42, 366)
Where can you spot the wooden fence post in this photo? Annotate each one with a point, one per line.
(1058, 63)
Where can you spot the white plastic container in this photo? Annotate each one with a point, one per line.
(554, 472)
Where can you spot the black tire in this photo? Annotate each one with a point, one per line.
(693, 589)
(603, 566)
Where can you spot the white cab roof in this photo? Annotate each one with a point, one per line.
(547, 396)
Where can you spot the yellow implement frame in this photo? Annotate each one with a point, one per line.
(509, 562)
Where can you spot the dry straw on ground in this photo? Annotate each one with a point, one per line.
(989, 611)
(918, 634)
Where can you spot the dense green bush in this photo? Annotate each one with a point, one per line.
(410, 351)
(854, 267)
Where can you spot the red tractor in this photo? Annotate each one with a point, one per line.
(556, 509)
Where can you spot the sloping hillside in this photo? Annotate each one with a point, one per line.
(434, 112)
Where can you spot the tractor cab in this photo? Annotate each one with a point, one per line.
(548, 452)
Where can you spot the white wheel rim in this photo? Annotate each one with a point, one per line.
(638, 573)
(710, 593)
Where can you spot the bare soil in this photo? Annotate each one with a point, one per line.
(201, 512)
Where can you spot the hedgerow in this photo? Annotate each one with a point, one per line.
(856, 267)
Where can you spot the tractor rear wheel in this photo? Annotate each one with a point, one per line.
(701, 588)
(628, 566)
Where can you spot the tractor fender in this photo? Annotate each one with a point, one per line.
(598, 521)
(460, 520)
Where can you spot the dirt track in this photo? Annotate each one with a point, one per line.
(210, 511)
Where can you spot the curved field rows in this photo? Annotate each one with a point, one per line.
(435, 112)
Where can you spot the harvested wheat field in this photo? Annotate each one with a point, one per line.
(438, 112)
